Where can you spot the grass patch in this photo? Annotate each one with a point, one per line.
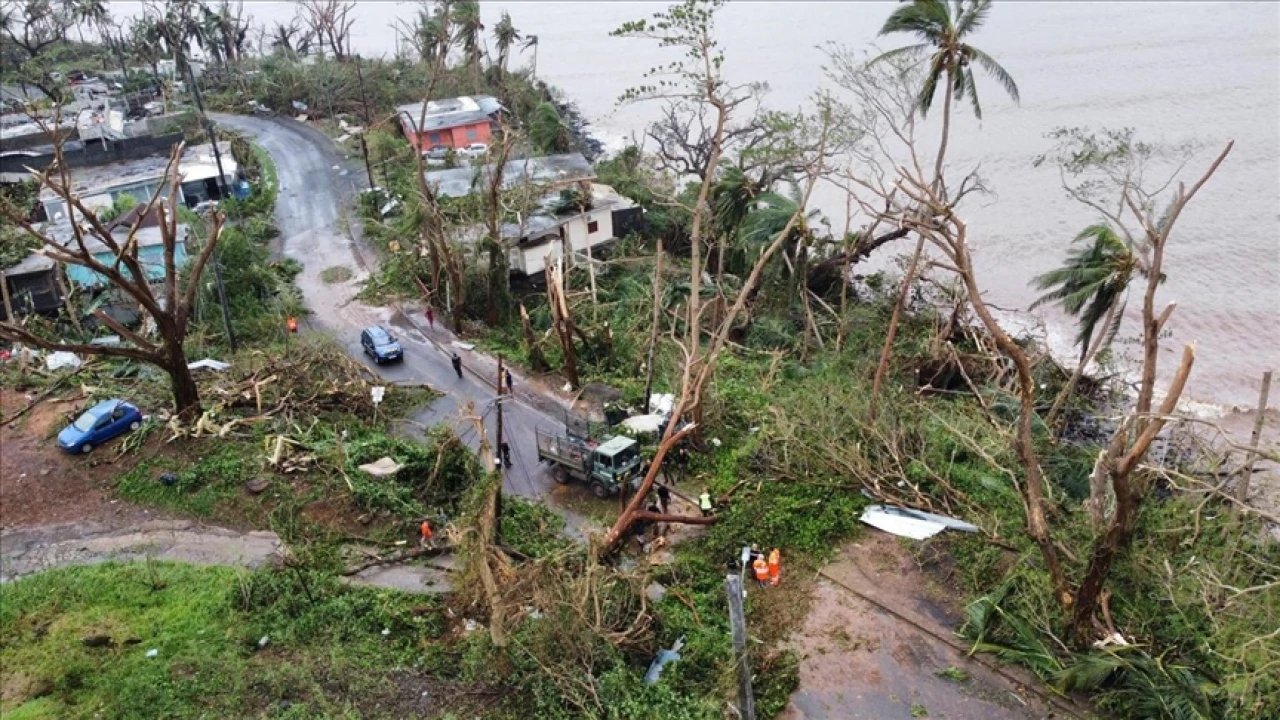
(336, 274)
(325, 654)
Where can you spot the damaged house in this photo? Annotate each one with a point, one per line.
(571, 213)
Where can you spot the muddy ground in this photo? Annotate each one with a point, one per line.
(878, 643)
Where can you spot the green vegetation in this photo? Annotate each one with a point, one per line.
(227, 643)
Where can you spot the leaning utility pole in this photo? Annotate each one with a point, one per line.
(208, 129)
(364, 134)
(222, 299)
(738, 623)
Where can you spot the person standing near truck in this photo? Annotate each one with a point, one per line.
(704, 503)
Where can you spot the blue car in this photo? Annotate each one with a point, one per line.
(381, 345)
(99, 424)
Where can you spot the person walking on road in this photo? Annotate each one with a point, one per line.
(511, 386)
(457, 365)
(664, 499)
(431, 317)
(505, 450)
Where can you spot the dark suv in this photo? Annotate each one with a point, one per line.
(380, 345)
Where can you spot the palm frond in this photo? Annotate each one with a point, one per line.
(971, 19)
(936, 68)
(995, 70)
(926, 19)
(906, 50)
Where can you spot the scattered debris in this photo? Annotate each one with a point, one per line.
(661, 403)
(262, 642)
(61, 359)
(209, 364)
(644, 423)
(655, 592)
(464, 345)
(153, 652)
(257, 485)
(109, 341)
(664, 658)
(382, 467)
(299, 106)
(914, 524)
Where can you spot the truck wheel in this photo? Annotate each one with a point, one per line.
(561, 476)
(599, 490)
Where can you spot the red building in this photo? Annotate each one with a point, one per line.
(451, 122)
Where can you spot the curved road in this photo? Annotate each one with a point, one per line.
(317, 188)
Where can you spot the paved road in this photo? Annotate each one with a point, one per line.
(317, 189)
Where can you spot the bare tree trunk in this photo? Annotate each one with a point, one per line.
(946, 134)
(1119, 533)
(655, 323)
(891, 333)
(536, 359)
(562, 321)
(1246, 474)
(1078, 373)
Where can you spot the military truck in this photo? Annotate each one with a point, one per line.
(604, 466)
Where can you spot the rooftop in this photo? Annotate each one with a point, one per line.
(549, 170)
(197, 163)
(62, 233)
(538, 228)
(452, 112)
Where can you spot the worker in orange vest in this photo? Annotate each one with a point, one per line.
(775, 566)
(761, 569)
(426, 533)
(293, 324)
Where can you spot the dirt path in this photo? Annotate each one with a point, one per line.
(879, 643)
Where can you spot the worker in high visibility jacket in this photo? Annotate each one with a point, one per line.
(704, 503)
(761, 569)
(426, 534)
(775, 566)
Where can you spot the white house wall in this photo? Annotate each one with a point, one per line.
(531, 259)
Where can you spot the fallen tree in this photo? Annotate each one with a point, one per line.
(168, 309)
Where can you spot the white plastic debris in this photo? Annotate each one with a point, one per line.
(208, 364)
(644, 423)
(386, 632)
(262, 642)
(661, 403)
(914, 524)
(470, 626)
(382, 467)
(464, 345)
(716, 442)
(153, 652)
(61, 359)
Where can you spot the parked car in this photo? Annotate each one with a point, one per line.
(381, 345)
(474, 150)
(439, 152)
(98, 424)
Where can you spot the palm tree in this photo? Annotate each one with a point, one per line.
(507, 35)
(733, 197)
(531, 41)
(469, 29)
(1091, 286)
(943, 29)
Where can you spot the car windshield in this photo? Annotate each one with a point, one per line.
(85, 422)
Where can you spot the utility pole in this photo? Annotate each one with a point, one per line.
(502, 456)
(738, 623)
(364, 144)
(208, 130)
(222, 297)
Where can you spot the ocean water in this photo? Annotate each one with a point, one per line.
(1177, 72)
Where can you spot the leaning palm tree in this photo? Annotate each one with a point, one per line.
(531, 41)
(506, 35)
(944, 28)
(1092, 287)
(732, 198)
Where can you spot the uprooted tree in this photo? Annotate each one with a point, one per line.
(913, 199)
(165, 302)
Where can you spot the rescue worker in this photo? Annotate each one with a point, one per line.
(761, 569)
(457, 364)
(664, 499)
(704, 503)
(426, 534)
(775, 566)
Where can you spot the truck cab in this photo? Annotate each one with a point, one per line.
(604, 466)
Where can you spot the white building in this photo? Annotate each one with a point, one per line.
(98, 187)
